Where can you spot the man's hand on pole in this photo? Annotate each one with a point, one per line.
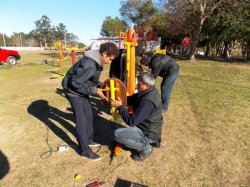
(99, 92)
(116, 103)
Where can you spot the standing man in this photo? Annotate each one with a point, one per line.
(146, 120)
(165, 67)
(82, 80)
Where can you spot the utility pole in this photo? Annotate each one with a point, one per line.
(20, 38)
(4, 44)
(65, 39)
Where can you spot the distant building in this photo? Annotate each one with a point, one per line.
(97, 41)
(153, 42)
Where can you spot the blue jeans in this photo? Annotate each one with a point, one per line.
(166, 87)
(133, 137)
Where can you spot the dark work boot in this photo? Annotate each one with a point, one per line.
(156, 144)
(142, 155)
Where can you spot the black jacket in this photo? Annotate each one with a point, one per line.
(147, 112)
(161, 65)
(118, 67)
(82, 78)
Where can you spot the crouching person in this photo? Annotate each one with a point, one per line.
(145, 122)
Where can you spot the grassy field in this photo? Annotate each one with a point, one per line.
(205, 133)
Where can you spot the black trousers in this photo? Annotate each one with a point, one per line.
(84, 121)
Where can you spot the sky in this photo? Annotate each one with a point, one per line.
(83, 18)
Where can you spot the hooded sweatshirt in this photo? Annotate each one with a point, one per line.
(83, 77)
(95, 55)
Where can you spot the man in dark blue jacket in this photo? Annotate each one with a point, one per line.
(165, 67)
(145, 121)
(81, 81)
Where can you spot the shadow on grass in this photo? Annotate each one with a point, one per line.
(103, 128)
(4, 165)
(47, 114)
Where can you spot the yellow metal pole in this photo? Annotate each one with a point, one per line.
(128, 67)
(132, 68)
(112, 96)
(130, 43)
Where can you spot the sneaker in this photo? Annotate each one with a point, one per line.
(94, 144)
(142, 156)
(91, 156)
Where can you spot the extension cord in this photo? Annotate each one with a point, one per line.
(63, 148)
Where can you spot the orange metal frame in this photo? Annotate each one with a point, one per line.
(130, 42)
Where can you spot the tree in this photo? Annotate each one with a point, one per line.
(246, 31)
(4, 40)
(194, 13)
(43, 30)
(71, 38)
(141, 13)
(46, 34)
(59, 32)
(81, 45)
(112, 27)
(212, 23)
(227, 26)
(18, 39)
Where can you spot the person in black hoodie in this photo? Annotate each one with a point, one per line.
(118, 67)
(165, 67)
(82, 80)
(145, 122)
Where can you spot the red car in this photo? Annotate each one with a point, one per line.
(9, 56)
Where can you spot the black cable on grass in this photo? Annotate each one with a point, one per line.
(43, 155)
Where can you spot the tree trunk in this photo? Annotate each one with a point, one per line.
(201, 13)
(225, 51)
(207, 49)
(195, 38)
(199, 19)
(246, 53)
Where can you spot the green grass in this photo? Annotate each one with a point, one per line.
(205, 133)
(218, 102)
(51, 57)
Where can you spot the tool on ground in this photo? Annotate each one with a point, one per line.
(78, 177)
(95, 184)
(117, 149)
(121, 182)
(63, 148)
